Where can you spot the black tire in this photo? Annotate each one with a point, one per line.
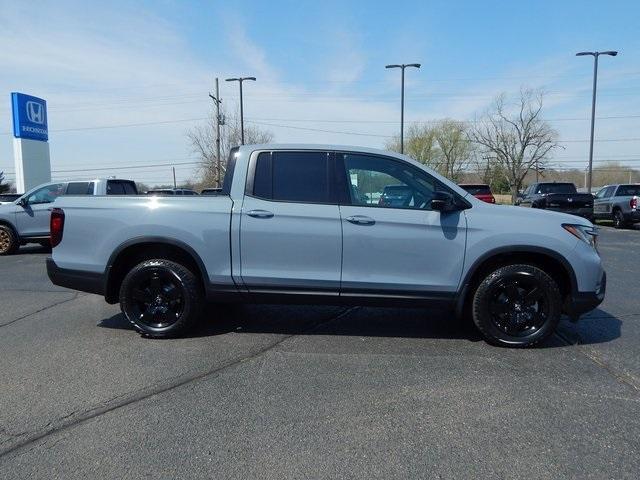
(517, 306)
(618, 219)
(161, 298)
(9, 242)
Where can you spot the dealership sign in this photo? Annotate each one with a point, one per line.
(29, 117)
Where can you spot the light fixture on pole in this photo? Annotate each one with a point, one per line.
(240, 80)
(402, 67)
(595, 56)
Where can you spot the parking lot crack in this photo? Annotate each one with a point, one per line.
(73, 419)
(11, 322)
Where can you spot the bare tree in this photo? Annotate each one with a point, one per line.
(203, 142)
(516, 136)
(443, 146)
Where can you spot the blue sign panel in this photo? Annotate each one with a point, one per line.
(29, 117)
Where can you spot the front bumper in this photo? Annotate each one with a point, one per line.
(83, 281)
(579, 303)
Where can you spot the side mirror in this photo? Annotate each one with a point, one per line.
(443, 202)
(22, 202)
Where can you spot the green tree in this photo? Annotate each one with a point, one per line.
(442, 145)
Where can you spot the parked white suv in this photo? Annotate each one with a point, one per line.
(26, 219)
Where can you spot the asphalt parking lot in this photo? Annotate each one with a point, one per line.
(314, 392)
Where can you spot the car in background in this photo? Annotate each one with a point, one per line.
(395, 196)
(620, 203)
(171, 191)
(557, 197)
(26, 219)
(481, 191)
(211, 191)
(8, 198)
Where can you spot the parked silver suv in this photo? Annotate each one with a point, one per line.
(619, 203)
(26, 219)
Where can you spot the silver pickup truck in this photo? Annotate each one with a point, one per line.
(620, 203)
(306, 224)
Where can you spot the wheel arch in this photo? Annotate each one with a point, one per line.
(553, 263)
(134, 251)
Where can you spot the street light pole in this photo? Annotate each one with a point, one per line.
(240, 80)
(402, 67)
(595, 56)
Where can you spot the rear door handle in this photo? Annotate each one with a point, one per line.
(360, 220)
(260, 214)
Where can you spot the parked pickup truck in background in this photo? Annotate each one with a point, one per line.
(620, 203)
(26, 219)
(304, 223)
(559, 197)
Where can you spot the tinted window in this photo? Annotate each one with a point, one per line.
(46, 194)
(119, 187)
(601, 193)
(292, 177)
(383, 182)
(80, 188)
(556, 188)
(628, 190)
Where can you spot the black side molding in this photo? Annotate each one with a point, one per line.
(89, 282)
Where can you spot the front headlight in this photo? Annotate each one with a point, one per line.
(588, 235)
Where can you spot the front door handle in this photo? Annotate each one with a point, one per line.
(260, 214)
(360, 220)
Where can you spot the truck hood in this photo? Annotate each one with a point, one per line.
(521, 214)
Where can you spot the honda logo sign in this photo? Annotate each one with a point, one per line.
(29, 117)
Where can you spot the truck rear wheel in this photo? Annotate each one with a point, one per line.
(161, 298)
(517, 306)
(8, 240)
(618, 219)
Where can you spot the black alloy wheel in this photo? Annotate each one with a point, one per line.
(161, 298)
(618, 219)
(517, 305)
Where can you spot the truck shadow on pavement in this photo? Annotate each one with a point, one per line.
(598, 327)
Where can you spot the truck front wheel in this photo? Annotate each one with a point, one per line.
(161, 298)
(517, 306)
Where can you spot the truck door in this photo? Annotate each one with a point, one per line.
(290, 232)
(602, 202)
(396, 244)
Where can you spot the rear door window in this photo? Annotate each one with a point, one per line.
(293, 177)
(80, 188)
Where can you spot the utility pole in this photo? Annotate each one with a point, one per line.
(595, 56)
(173, 169)
(402, 67)
(240, 80)
(219, 121)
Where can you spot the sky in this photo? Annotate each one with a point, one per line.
(125, 81)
